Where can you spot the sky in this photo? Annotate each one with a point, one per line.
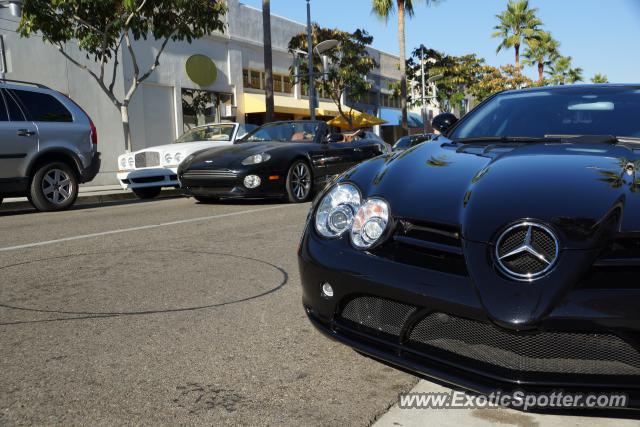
(601, 36)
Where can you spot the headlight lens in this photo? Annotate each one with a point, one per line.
(123, 163)
(131, 163)
(178, 157)
(336, 210)
(168, 158)
(370, 223)
(256, 159)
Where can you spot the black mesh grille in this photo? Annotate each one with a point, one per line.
(525, 262)
(379, 314)
(551, 352)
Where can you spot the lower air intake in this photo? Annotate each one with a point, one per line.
(550, 352)
(378, 314)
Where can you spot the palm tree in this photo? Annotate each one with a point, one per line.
(599, 78)
(268, 60)
(561, 71)
(541, 52)
(384, 9)
(518, 24)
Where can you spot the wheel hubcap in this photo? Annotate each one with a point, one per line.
(301, 181)
(57, 186)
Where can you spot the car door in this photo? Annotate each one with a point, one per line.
(18, 138)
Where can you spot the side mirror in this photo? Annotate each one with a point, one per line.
(334, 137)
(443, 122)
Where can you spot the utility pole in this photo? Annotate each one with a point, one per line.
(312, 86)
(424, 95)
(268, 61)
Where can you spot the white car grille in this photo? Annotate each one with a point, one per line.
(147, 159)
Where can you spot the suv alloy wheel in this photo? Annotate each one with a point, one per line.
(54, 187)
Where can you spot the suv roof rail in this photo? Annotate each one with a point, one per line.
(41, 86)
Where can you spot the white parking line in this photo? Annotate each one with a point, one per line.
(143, 227)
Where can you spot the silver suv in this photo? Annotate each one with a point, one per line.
(48, 146)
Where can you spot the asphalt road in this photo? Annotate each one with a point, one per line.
(170, 312)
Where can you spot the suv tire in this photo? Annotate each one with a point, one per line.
(147, 193)
(54, 187)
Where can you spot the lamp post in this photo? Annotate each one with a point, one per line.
(312, 86)
(15, 8)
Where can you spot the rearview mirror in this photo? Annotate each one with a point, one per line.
(443, 122)
(334, 137)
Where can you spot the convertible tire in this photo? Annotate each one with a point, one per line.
(206, 200)
(54, 187)
(299, 182)
(147, 193)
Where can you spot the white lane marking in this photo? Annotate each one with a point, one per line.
(143, 227)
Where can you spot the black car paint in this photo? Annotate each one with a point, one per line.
(327, 159)
(589, 194)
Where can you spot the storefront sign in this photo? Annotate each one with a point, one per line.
(201, 70)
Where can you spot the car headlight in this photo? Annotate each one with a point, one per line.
(131, 162)
(256, 159)
(337, 209)
(370, 223)
(168, 158)
(123, 163)
(177, 157)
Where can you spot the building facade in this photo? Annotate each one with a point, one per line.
(170, 101)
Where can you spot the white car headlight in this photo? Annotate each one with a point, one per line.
(131, 162)
(256, 159)
(123, 163)
(337, 209)
(177, 157)
(168, 158)
(370, 223)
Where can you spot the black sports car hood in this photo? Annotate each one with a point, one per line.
(231, 156)
(484, 188)
(584, 192)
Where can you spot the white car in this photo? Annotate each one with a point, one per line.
(145, 172)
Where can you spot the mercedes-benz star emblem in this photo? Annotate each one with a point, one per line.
(527, 251)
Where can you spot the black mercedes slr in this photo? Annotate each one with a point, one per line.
(281, 159)
(503, 255)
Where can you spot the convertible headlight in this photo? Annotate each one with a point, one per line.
(168, 158)
(177, 157)
(370, 223)
(131, 162)
(123, 163)
(336, 210)
(256, 159)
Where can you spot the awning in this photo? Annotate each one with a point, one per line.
(394, 118)
(359, 120)
(256, 103)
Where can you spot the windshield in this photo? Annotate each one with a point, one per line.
(284, 132)
(556, 112)
(207, 133)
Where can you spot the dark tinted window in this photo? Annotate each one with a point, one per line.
(43, 107)
(4, 116)
(15, 112)
(568, 111)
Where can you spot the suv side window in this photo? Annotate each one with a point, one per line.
(43, 107)
(15, 112)
(4, 116)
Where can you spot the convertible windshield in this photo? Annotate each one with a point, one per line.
(207, 133)
(581, 110)
(284, 132)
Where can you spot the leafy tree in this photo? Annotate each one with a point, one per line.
(103, 28)
(541, 52)
(517, 24)
(268, 60)
(599, 78)
(384, 9)
(562, 72)
(494, 80)
(350, 65)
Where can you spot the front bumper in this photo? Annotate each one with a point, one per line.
(149, 177)
(228, 183)
(387, 336)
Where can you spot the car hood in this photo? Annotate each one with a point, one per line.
(230, 157)
(185, 148)
(586, 193)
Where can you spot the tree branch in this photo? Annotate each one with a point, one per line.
(134, 60)
(146, 75)
(115, 65)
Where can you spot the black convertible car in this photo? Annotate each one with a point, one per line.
(505, 254)
(290, 159)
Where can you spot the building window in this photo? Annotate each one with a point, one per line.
(200, 107)
(254, 79)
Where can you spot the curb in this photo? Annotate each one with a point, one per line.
(90, 199)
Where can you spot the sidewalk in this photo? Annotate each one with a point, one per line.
(93, 195)
(397, 417)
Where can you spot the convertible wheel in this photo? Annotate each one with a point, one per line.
(299, 181)
(206, 200)
(54, 187)
(147, 193)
